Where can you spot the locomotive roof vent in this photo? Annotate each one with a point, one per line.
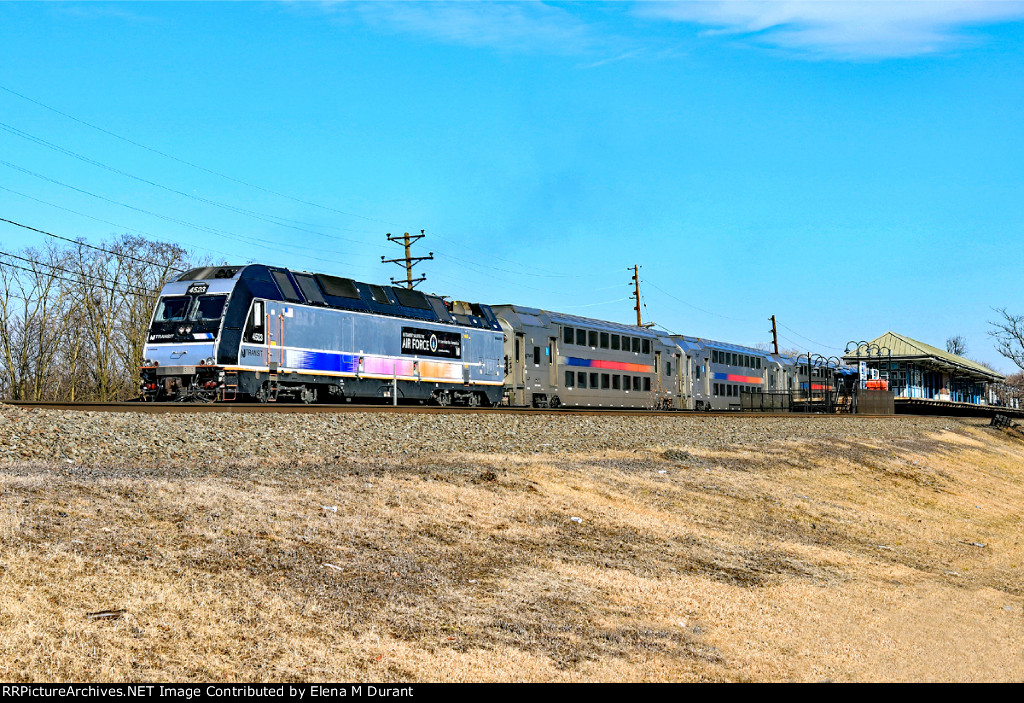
(205, 273)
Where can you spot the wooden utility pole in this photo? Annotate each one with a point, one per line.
(636, 296)
(775, 336)
(408, 261)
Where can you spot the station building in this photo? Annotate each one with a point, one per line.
(916, 370)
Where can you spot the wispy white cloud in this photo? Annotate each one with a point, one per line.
(844, 28)
(513, 26)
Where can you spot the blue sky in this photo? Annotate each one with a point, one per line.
(851, 167)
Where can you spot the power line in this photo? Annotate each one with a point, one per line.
(106, 222)
(827, 346)
(691, 305)
(202, 228)
(272, 219)
(81, 274)
(90, 246)
(263, 217)
(592, 305)
(190, 164)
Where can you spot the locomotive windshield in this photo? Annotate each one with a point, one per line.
(181, 318)
(209, 307)
(186, 307)
(175, 308)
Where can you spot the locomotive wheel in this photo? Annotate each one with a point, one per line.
(263, 394)
(308, 395)
(555, 402)
(443, 398)
(473, 400)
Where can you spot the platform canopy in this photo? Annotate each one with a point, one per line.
(905, 349)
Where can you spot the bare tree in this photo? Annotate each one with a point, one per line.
(956, 345)
(1009, 336)
(73, 319)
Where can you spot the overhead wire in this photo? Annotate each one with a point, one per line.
(82, 274)
(691, 305)
(273, 219)
(263, 217)
(96, 219)
(84, 244)
(190, 164)
(202, 228)
(820, 344)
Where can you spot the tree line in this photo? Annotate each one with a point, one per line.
(73, 317)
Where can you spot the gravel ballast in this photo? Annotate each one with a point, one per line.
(137, 439)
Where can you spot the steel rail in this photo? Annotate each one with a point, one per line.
(175, 407)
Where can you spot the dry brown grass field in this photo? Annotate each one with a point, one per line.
(854, 555)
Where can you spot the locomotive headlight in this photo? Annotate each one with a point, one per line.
(181, 329)
(188, 328)
(211, 361)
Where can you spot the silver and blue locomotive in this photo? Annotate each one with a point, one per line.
(265, 333)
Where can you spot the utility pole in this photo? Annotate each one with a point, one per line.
(408, 261)
(636, 296)
(775, 336)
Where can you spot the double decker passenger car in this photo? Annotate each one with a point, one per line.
(553, 359)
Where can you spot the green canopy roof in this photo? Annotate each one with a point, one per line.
(906, 349)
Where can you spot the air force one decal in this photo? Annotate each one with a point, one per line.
(431, 343)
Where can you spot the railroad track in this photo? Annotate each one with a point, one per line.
(159, 408)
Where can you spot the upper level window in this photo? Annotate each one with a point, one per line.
(615, 341)
(645, 346)
(592, 339)
(568, 335)
(581, 338)
(604, 340)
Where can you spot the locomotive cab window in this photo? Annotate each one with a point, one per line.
(173, 308)
(209, 307)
